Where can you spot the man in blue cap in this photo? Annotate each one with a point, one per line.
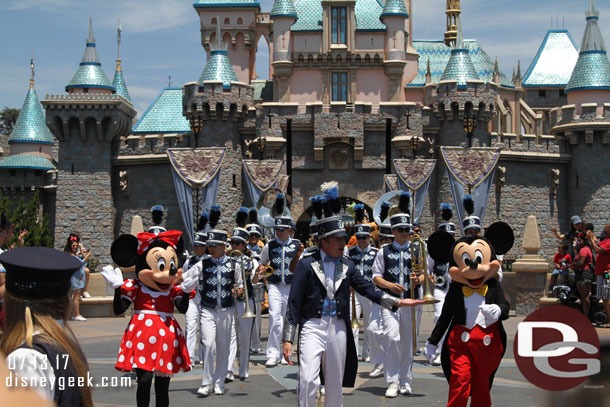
(319, 304)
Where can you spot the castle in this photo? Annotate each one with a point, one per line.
(353, 97)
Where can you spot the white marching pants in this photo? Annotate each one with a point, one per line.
(256, 330)
(278, 302)
(438, 307)
(322, 342)
(356, 331)
(192, 326)
(215, 330)
(399, 344)
(245, 334)
(374, 329)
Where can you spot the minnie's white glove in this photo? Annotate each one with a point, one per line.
(113, 276)
(430, 352)
(491, 312)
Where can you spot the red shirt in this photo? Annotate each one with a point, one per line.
(585, 252)
(558, 257)
(603, 259)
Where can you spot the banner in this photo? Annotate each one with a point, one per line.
(415, 176)
(470, 171)
(261, 175)
(390, 182)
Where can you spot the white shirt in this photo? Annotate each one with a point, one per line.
(474, 316)
(329, 274)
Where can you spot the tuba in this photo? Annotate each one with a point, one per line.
(392, 198)
(266, 212)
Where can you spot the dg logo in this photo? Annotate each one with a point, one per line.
(556, 348)
(403, 219)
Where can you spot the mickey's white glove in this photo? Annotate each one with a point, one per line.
(189, 280)
(113, 276)
(491, 312)
(430, 352)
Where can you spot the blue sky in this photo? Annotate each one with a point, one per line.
(162, 38)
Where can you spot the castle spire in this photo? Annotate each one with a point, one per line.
(118, 81)
(428, 72)
(460, 67)
(592, 70)
(283, 8)
(90, 73)
(496, 74)
(33, 71)
(453, 12)
(218, 67)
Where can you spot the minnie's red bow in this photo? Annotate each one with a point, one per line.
(145, 239)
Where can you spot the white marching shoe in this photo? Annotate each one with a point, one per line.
(437, 360)
(204, 391)
(219, 391)
(405, 389)
(271, 362)
(392, 391)
(377, 371)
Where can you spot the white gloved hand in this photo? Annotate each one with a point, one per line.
(113, 276)
(491, 312)
(430, 352)
(189, 280)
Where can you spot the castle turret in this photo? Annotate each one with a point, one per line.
(460, 68)
(89, 126)
(394, 16)
(284, 15)
(218, 66)
(90, 75)
(590, 79)
(453, 12)
(118, 82)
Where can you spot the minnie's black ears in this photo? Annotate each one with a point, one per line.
(501, 237)
(124, 250)
(439, 246)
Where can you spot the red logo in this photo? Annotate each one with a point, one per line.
(556, 348)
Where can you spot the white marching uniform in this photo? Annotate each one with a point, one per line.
(398, 330)
(193, 315)
(439, 294)
(245, 332)
(259, 297)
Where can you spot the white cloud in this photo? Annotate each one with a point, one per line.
(146, 16)
(44, 5)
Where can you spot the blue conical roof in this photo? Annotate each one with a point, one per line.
(26, 162)
(90, 73)
(283, 8)
(31, 126)
(118, 82)
(460, 67)
(218, 68)
(394, 8)
(592, 70)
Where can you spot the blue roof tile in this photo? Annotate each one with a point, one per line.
(218, 68)
(26, 161)
(283, 8)
(164, 115)
(31, 126)
(309, 14)
(460, 67)
(394, 8)
(226, 3)
(118, 82)
(554, 61)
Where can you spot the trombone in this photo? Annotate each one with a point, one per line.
(355, 322)
(248, 312)
(419, 264)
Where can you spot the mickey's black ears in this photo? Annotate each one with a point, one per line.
(501, 237)
(439, 246)
(124, 250)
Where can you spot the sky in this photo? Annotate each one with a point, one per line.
(161, 38)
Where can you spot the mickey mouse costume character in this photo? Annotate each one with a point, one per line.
(153, 343)
(474, 307)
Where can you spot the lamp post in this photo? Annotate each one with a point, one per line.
(414, 144)
(470, 124)
(196, 125)
(261, 146)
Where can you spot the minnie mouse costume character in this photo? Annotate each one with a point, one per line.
(153, 343)
(474, 307)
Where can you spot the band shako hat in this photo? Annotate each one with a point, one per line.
(38, 272)
(200, 239)
(362, 229)
(385, 230)
(240, 234)
(254, 230)
(332, 226)
(400, 220)
(447, 214)
(471, 221)
(283, 222)
(217, 236)
(157, 213)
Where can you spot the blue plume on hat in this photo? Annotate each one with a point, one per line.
(359, 211)
(203, 220)
(157, 214)
(215, 211)
(446, 212)
(468, 202)
(385, 209)
(330, 191)
(317, 203)
(404, 200)
(280, 203)
(241, 217)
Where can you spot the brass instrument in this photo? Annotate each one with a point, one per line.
(355, 323)
(419, 264)
(248, 314)
(268, 271)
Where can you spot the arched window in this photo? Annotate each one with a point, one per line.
(227, 21)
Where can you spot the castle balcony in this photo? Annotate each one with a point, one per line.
(568, 123)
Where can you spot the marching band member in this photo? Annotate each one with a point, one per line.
(392, 273)
(193, 314)
(363, 255)
(319, 304)
(385, 234)
(238, 242)
(255, 233)
(217, 279)
(278, 253)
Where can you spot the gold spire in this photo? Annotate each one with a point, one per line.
(453, 12)
(118, 47)
(33, 70)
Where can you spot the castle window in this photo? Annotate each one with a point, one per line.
(214, 21)
(339, 87)
(240, 21)
(339, 25)
(542, 93)
(227, 21)
(562, 93)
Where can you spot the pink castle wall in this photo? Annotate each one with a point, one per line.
(371, 86)
(579, 97)
(306, 86)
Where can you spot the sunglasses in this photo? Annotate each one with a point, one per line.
(402, 230)
(362, 237)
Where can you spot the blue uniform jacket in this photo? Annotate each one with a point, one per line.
(307, 294)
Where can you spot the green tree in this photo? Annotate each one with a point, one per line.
(27, 216)
(8, 118)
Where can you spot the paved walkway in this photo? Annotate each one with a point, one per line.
(100, 338)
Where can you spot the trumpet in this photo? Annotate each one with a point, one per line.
(268, 271)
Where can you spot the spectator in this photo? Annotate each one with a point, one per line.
(584, 272)
(602, 267)
(78, 279)
(561, 261)
(37, 335)
(576, 228)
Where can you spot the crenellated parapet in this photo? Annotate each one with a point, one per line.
(450, 101)
(581, 122)
(213, 101)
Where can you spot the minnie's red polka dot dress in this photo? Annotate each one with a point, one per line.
(153, 340)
